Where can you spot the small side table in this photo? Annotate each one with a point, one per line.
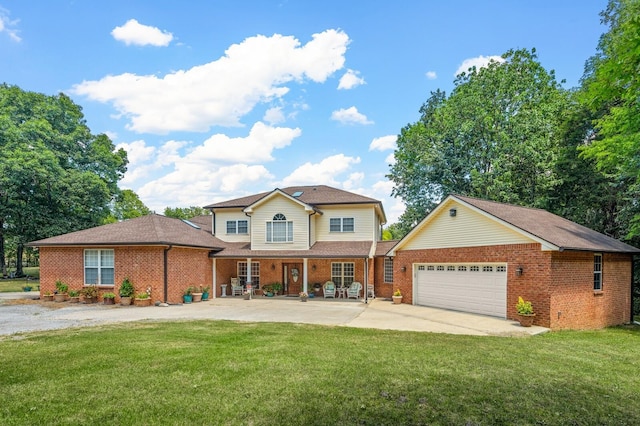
(224, 290)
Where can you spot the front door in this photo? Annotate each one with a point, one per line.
(292, 278)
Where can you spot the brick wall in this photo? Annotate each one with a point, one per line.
(144, 266)
(553, 281)
(381, 288)
(574, 303)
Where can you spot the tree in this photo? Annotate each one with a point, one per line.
(55, 176)
(495, 137)
(610, 89)
(126, 205)
(185, 212)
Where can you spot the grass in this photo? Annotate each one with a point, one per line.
(16, 284)
(222, 372)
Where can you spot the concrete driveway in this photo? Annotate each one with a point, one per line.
(378, 313)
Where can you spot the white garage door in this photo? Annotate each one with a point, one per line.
(476, 287)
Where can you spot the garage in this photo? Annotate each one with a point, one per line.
(479, 288)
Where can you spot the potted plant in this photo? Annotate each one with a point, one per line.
(276, 288)
(246, 295)
(303, 296)
(90, 294)
(26, 288)
(196, 293)
(74, 296)
(109, 298)
(61, 291)
(397, 297)
(267, 290)
(312, 294)
(186, 295)
(525, 312)
(205, 292)
(47, 296)
(126, 292)
(143, 298)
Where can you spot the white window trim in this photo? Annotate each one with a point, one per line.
(342, 219)
(237, 227)
(288, 231)
(597, 273)
(342, 274)
(388, 270)
(99, 267)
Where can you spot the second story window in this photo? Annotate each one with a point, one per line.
(341, 224)
(237, 227)
(279, 230)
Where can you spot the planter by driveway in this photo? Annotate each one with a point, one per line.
(378, 313)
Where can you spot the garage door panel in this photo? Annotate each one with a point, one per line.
(470, 291)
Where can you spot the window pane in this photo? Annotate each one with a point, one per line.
(289, 231)
(269, 236)
(335, 225)
(348, 269)
(107, 276)
(388, 270)
(347, 224)
(91, 276)
(279, 231)
(243, 227)
(91, 258)
(231, 227)
(106, 258)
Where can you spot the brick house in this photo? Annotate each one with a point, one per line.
(297, 236)
(479, 256)
(468, 255)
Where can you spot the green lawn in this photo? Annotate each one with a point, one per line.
(16, 284)
(206, 372)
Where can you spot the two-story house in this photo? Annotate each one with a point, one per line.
(297, 236)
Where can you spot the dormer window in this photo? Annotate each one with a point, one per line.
(279, 230)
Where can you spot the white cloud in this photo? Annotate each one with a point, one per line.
(391, 159)
(478, 62)
(274, 115)
(7, 25)
(383, 143)
(431, 75)
(222, 91)
(354, 181)
(256, 147)
(350, 79)
(324, 172)
(350, 116)
(133, 32)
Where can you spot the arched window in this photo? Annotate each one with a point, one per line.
(279, 230)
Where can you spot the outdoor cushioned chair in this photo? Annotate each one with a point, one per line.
(354, 290)
(329, 289)
(236, 288)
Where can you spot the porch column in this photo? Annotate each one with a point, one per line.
(304, 275)
(214, 280)
(248, 271)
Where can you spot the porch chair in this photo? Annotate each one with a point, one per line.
(354, 290)
(329, 289)
(236, 288)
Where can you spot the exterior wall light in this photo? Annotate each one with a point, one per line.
(453, 212)
(519, 271)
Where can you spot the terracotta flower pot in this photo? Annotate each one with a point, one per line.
(397, 300)
(74, 299)
(197, 297)
(60, 297)
(48, 297)
(142, 302)
(526, 320)
(125, 301)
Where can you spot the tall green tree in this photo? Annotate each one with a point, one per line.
(611, 92)
(126, 205)
(496, 136)
(185, 212)
(55, 176)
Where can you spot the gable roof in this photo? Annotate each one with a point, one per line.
(547, 228)
(313, 195)
(153, 229)
(279, 192)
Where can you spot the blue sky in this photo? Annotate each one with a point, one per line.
(219, 99)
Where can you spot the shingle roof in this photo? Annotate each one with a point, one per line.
(321, 249)
(205, 222)
(560, 232)
(383, 247)
(152, 229)
(312, 195)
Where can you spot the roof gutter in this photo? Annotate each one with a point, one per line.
(166, 272)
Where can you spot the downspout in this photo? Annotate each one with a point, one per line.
(366, 280)
(166, 272)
